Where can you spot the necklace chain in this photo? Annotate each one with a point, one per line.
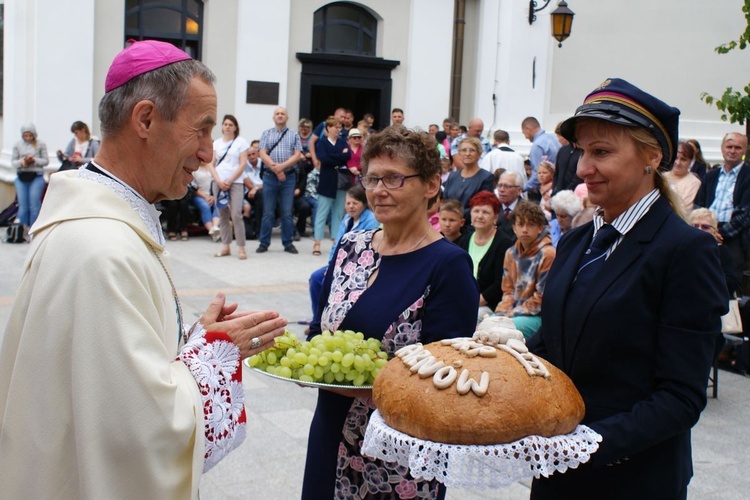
(176, 298)
(380, 243)
(489, 238)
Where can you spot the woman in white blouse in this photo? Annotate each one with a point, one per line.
(228, 169)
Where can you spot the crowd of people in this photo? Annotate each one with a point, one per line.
(305, 174)
(584, 244)
(300, 179)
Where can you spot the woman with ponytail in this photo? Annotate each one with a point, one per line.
(613, 312)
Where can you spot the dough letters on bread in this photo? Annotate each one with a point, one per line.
(488, 389)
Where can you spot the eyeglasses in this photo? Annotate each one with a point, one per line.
(467, 150)
(392, 181)
(704, 227)
(506, 186)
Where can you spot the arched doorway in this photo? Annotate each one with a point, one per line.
(342, 70)
(360, 84)
(179, 22)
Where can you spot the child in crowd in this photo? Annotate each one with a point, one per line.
(433, 213)
(451, 219)
(447, 169)
(525, 268)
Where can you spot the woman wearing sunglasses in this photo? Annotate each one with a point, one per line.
(401, 284)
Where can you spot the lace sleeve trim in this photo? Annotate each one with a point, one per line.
(214, 360)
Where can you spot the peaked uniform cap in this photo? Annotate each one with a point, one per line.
(618, 101)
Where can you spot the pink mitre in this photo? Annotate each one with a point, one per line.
(139, 58)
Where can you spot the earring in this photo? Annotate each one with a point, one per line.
(648, 170)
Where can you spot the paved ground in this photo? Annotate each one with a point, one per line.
(269, 465)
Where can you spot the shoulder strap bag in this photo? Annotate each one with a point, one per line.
(268, 152)
(226, 152)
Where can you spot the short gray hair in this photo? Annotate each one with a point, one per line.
(567, 202)
(517, 180)
(700, 213)
(165, 87)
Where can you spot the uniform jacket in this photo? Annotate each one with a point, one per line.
(639, 353)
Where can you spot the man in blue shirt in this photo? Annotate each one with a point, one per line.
(543, 144)
(726, 191)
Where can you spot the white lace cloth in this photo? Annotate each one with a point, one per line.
(214, 360)
(480, 467)
(145, 210)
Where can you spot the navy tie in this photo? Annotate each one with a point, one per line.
(593, 259)
(591, 263)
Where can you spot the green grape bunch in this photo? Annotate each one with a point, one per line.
(341, 358)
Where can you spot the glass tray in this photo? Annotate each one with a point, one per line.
(319, 385)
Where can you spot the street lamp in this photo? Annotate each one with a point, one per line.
(562, 19)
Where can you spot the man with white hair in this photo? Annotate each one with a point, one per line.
(509, 190)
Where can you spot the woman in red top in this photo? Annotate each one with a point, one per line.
(355, 146)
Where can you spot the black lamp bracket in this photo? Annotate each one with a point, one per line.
(533, 10)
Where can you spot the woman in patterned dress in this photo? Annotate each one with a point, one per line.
(402, 284)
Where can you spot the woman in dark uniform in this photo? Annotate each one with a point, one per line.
(614, 316)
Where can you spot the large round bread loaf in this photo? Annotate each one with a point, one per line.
(515, 405)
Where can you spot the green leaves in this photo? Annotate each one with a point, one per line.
(733, 104)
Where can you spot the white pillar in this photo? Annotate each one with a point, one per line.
(518, 67)
(428, 68)
(48, 71)
(262, 55)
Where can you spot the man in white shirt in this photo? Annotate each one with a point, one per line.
(254, 196)
(502, 156)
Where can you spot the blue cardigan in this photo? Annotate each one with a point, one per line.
(332, 158)
(366, 221)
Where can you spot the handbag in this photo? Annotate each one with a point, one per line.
(222, 199)
(731, 322)
(345, 179)
(26, 176)
(14, 233)
(66, 165)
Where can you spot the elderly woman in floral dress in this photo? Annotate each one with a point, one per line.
(402, 284)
